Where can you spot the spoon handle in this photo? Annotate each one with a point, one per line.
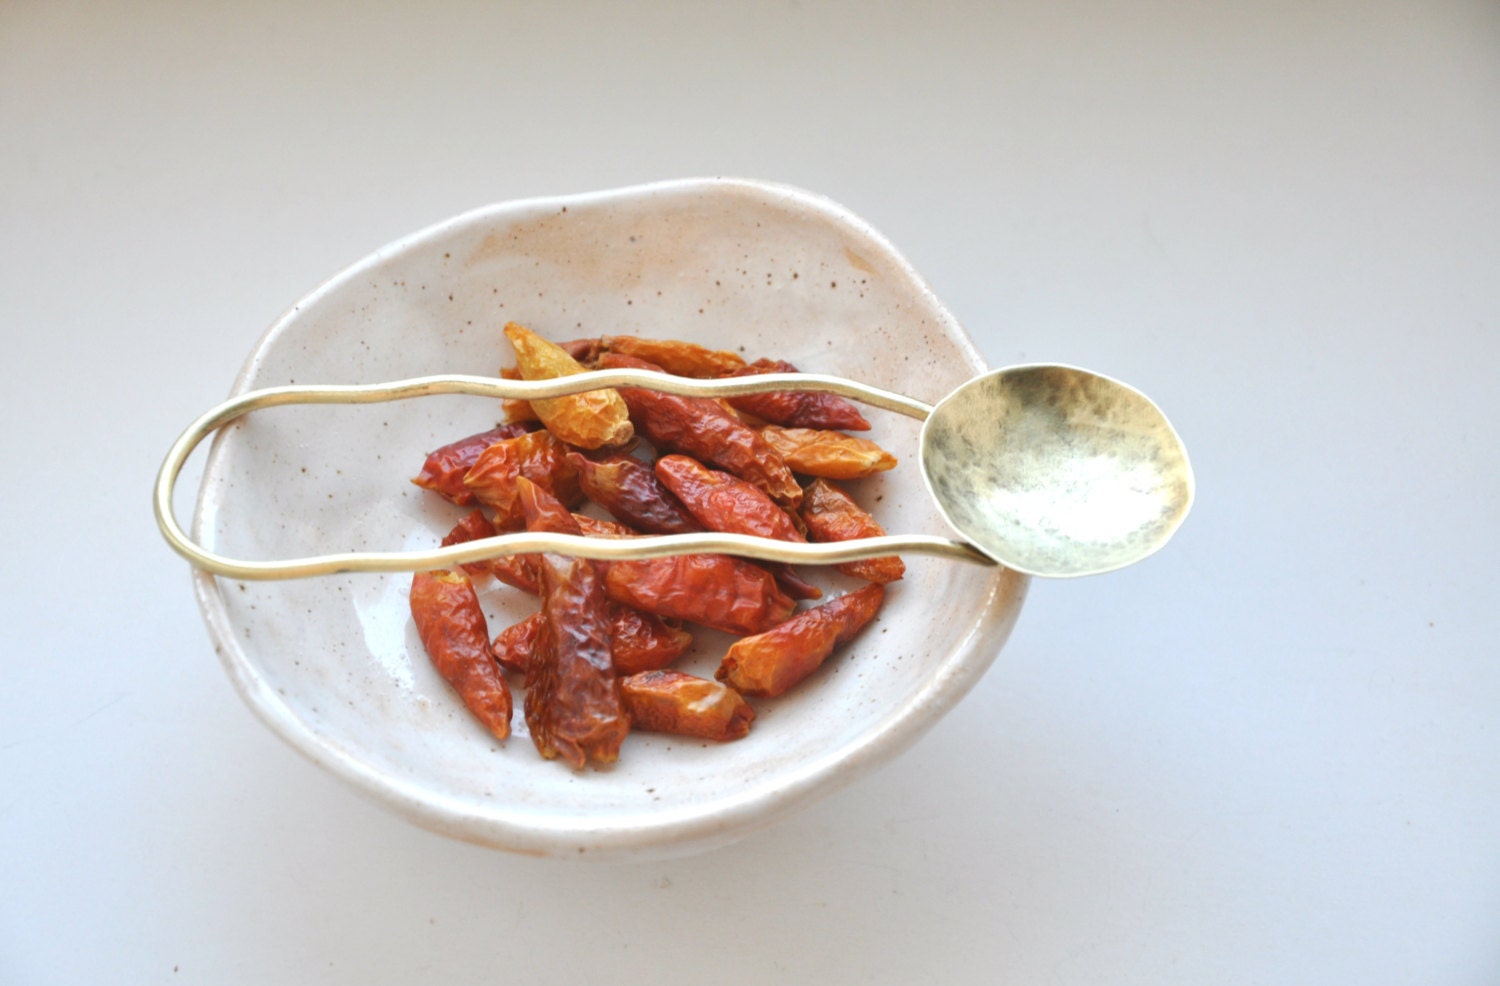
(598, 548)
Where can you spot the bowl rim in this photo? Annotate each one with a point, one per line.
(670, 830)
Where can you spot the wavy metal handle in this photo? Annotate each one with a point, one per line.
(605, 549)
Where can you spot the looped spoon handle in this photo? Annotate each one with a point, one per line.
(604, 549)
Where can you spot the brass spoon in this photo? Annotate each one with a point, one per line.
(1046, 469)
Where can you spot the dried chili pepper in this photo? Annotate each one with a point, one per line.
(791, 583)
(644, 642)
(514, 645)
(721, 502)
(700, 428)
(638, 641)
(832, 515)
(585, 351)
(517, 571)
(593, 419)
(444, 470)
(452, 627)
(715, 591)
(826, 453)
(520, 570)
(629, 489)
(686, 705)
(474, 527)
(769, 663)
(596, 527)
(536, 455)
(573, 705)
(796, 408)
(514, 409)
(686, 359)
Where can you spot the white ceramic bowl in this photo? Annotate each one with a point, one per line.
(333, 664)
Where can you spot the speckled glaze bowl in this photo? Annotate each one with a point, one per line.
(334, 665)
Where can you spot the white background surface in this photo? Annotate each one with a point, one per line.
(1267, 755)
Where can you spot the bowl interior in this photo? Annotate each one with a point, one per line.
(334, 665)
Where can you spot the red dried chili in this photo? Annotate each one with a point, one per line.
(796, 408)
(832, 515)
(444, 470)
(536, 455)
(514, 645)
(573, 706)
(638, 641)
(452, 627)
(715, 591)
(721, 502)
(701, 428)
(629, 489)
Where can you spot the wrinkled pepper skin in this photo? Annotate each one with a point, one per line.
(686, 705)
(643, 642)
(638, 641)
(721, 502)
(631, 492)
(443, 472)
(796, 408)
(724, 593)
(518, 571)
(474, 527)
(715, 591)
(585, 351)
(685, 359)
(538, 456)
(591, 420)
(514, 570)
(595, 527)
(452, 627)
(513, 409)
(514, 645)
(832, 515)
(829, 454)
(573, 706)
(699, 427)
(768, 664)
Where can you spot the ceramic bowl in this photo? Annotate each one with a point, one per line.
(334, 665)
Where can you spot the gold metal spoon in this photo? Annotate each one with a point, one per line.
(1046, 469)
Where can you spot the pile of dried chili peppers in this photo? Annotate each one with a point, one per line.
(596, 657)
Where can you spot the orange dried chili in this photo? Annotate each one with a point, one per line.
(686, 359)
(686, 705)
(593, 419)
(826, 453)
(832, 515)
(770, 663)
